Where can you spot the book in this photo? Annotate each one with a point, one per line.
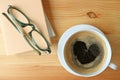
(13, 40)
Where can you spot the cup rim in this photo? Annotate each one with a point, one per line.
(71, 31)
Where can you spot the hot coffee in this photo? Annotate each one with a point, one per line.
(85, 52)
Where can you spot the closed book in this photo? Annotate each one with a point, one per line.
(13, 40)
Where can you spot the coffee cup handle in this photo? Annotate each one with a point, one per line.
(113, 66)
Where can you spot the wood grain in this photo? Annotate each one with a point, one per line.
(63, 14)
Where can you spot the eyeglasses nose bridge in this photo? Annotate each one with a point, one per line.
(32, 26)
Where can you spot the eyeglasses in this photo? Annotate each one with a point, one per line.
(27, 30)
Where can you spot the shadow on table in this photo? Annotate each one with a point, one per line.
(48, 11)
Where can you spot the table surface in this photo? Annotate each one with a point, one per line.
(104, 14)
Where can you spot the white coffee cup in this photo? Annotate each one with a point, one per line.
(78, 28)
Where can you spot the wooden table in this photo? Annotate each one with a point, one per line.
(104, 14)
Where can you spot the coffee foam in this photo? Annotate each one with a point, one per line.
(88, 38)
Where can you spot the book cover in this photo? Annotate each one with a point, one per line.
(13, 40)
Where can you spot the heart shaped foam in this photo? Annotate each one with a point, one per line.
(85, 55)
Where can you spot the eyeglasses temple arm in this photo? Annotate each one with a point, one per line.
(31, 45)
(11, 21)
